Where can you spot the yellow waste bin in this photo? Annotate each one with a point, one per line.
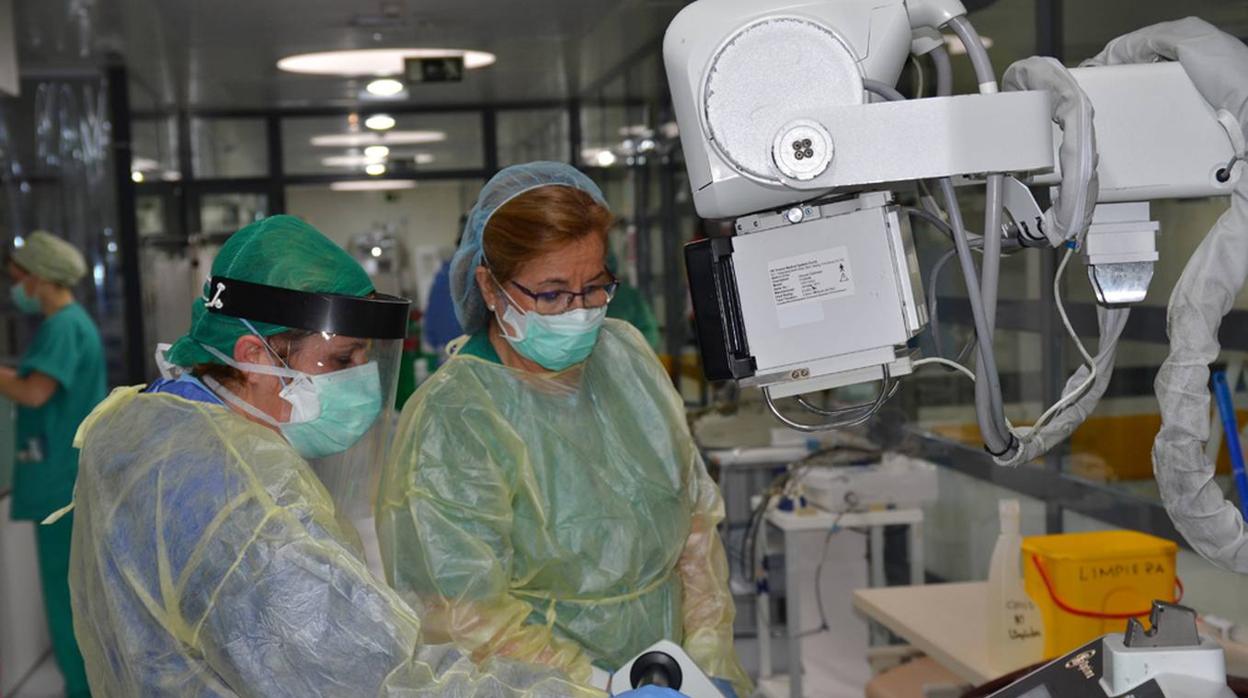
(1088, 584)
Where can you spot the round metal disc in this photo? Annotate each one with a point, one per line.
(771, 74)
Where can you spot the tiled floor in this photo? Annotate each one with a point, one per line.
(45, 682)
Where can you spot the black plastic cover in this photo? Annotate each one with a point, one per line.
(1073, 675)
(376, 317)
(717, 310)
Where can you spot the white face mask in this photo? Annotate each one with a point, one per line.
(168, 370)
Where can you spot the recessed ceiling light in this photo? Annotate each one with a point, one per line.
(373, 185)
(384, 87)
(136, 176)
(376, 251)
(391, 138)
(380, 122)
(956, 48)
(375, 169)
(602, 157)
(424, 158)
(375, 61)
(376, 152)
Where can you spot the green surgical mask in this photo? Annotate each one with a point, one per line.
(329, 412)
(556, 342)
(24, 301)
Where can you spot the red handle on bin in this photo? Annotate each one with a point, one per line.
(1102, 615)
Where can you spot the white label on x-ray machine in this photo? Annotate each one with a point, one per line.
(800, 283)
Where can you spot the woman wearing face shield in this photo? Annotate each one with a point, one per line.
(208, 557)
(544, 499)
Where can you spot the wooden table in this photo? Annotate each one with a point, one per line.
(948, 622)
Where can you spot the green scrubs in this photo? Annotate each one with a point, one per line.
(479, 345)
(67, 348)
(629, 306)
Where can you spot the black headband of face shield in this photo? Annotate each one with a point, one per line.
(376, 317)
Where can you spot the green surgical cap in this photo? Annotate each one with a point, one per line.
(50, 258)
(281, 251)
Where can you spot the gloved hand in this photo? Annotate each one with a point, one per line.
(725, 687)
(651, 692)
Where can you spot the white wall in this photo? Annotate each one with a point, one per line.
(961, 527)
(428, 214)
(424, 217)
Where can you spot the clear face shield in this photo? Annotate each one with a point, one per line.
(338, 371)
(349, 418)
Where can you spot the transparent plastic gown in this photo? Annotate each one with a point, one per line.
(565, 519)
(208, 560)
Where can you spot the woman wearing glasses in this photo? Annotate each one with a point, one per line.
(544, 499)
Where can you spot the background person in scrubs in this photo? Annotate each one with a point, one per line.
(630, 306)
(60, 379)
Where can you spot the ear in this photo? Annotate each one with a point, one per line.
(249, 349)
(489, 291)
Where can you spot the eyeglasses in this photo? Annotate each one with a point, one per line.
(555, 302)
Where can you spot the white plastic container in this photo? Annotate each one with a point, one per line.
(1015, 627)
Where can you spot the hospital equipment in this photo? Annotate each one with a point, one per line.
(664, 664)
(896, 481)
(806, 148)
(1169, 659)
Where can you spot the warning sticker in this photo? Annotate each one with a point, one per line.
(814, 276)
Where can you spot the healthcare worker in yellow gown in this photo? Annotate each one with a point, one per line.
(212, 549)
(544, 499)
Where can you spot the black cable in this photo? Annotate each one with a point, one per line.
(823, 616)
(824, 626)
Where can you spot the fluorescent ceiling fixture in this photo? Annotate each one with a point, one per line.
(373, 185)
(144, 164)
(384, 87)
(375, 61)
(380, 122)
(636, 131)
(391, 138)
(376, 152)
(375, 168)
(347, 161)
(956, 48)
